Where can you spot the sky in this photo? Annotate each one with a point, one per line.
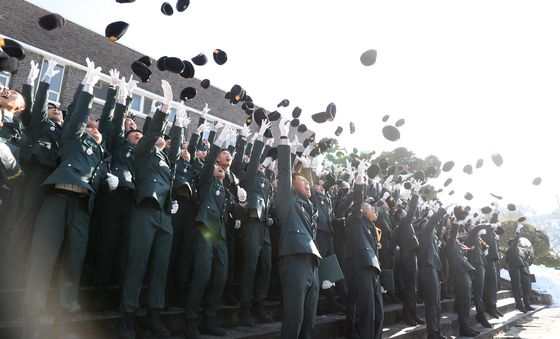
(470, 78)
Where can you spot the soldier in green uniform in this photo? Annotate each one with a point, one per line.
(255, 240)
(429, 265)
(460, 268)
(298, 253)
(519, 274)
(364, 261)
(150, 230)
(209, 245)
(63, 221)
(118, 202)
(490, 276)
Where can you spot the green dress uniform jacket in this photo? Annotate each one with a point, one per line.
(259, 188)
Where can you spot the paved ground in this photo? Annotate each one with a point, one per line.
(543, 324)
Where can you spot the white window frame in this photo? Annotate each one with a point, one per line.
(7, 76)
(45, 62)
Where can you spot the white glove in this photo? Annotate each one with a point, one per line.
(405, 195)
(253, 138)
(482, 232)
(174, 207)
(167, 95)
(317, 163)
(387, 181)
(205, 110)
(295, 144)
(269, 141)
(284, 126)
(386, 196)
(430, 213)
(92, 76)
(237, 224)
(362, 168)
(327, 284)
(122, 92)
(241, 195)
(305, 161)
(112, 181)
(485, 252)
(519, 227)
(416, 186)
(132, 84)
(33, 73)
(50, 72)
(245, 131)
(218, 125)
(222, 137)
(181, 115)
(153, 108)
(269, 221)
(114, 74)
(264, 126)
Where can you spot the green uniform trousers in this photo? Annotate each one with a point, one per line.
(370, 302)
(210, 264)
(184, 231)
(147, 235)
(429, 285)
(112, 245)
(257, 256)
(477, 279)
(462, 287)
(299, 277)
(408, 269)
(521, 286)
(490, 285)
(62, 226)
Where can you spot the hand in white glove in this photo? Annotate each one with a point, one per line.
(115, 77)
(180, 115)
(50, 72)
(237, 224)
(218, 125)
(269, 221)
(33, 73)
(305, 161)
(519, 227)
(327, 284)
(485, 252)
(386, 196)
(482, 232)
(245, 131)
(284, 127)
(362, 167)
(387, 182)
(416, 186)
(112, 181)
(430, 213)
(295, 144)
(92, 76)
(222, 137)
(264, 126)
(132, 84)
(205, 110)
(174, 207)
(167, 95)
(122, 92)
(241, 195)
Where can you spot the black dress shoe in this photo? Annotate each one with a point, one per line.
(418, 320)
(529, 308)
(191, 329)
(521, 308)
(209, 327)
(498, 313)
(481, 318)
(408, 320)
(155, 326)
(466, 331)
(493, 314)
(245, 316)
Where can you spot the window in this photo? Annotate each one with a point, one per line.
(100, 90)
(171, 116)
(137, 102)
(5, 78)
(147, 105)
(56, 82)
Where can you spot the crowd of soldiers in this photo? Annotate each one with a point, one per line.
(180, 213)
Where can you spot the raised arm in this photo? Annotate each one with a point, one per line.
(284, 186)
(39, 113)
(434, 220)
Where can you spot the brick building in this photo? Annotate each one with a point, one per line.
(71, 45)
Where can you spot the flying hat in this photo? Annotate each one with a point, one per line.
(368, 57)
(296, 112)
(451, 192)
(479, 163)
(173, 64)
(320, 117)
(447, 182)
(448, 166)
(399, 123)
(352, 128)
(302, 128)
(373, 170)
(51, 21)
(486, 209)
(146, 60)
(161, 63)
(125, 1)
(166, 8)
(385, 118)
(511, 207)
(273, 116)
(12, 48)
(496, 196)
(200, 59)
(8, 64)
(284, 103)
(391, 133)
(497, 159)
(188, 70)
(205, 83)
(537, 181)
(460, 212)
(188, 93)
(522, 219)
(468, 196)
(294, 122)
(220, 57)
(182, 5)
(331, 111)
(468, 169)
(114, 31)
(259, 115)
(141, 70)
(338, 131)
(248, 107)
